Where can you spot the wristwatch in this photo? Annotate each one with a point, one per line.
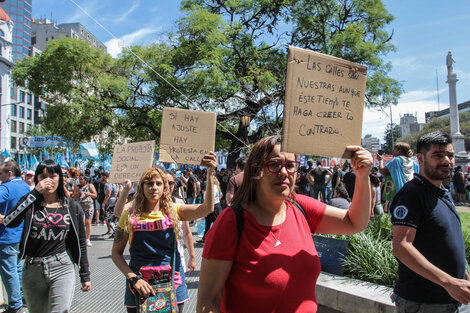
(133, 280)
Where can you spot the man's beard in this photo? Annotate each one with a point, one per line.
(434, 173)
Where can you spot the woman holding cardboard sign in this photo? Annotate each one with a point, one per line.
(149, 223)
(259, 255)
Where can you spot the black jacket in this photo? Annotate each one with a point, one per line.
(76, 239)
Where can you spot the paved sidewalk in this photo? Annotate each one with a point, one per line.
(108, 283)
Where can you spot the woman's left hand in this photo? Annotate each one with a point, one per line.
(361, 160)
(210, 161)
(86, 286)
(191, 265)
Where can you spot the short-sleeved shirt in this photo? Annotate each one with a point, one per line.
(430, 210)
(265, 278)
(114, 193)
(319, 174)
(336, 174)
(401, 169)
(234, 183)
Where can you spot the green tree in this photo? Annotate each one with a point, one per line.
(80, 85)
(442, 124)
(391, 137)
(228, 57)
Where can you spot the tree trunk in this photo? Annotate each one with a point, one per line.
(237, 145)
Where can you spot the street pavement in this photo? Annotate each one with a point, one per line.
(108, 283)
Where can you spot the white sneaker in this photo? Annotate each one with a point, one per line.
(88, 243)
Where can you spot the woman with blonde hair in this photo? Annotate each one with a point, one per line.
(149, 222)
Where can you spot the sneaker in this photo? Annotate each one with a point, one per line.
(19, 310)
(111, 236)
(88, 243)
(106, 233)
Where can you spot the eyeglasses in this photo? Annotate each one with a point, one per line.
(276, 166)
(171, 183)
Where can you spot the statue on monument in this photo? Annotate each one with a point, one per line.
(449, 62)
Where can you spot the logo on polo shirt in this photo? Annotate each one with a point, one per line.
(400, 212)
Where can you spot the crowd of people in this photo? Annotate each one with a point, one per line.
(258, 251)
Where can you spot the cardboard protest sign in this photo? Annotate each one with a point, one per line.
(186, 136)
(324, 104)
(131, 160)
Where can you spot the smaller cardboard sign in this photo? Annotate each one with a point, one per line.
(131, 160)
(324, 104)
(186, 136)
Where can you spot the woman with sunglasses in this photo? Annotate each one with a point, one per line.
(53, 240)
(149, 223)
(272, 266)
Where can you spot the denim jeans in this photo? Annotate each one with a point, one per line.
(48, 283)
(317, 190)
(10, 271)
(406, 306)
(190, 200)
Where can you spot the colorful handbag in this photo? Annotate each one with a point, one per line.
(162, 280)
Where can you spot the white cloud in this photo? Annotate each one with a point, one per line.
(115, 45)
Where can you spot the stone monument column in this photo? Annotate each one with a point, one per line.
(457, 137)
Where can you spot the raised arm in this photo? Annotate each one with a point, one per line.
(122, 200)
(190, 211)
(338, 221)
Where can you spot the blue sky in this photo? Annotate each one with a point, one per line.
(423, 33)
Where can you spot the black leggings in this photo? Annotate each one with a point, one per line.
(180, 309)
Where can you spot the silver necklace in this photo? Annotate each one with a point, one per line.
(278, 241)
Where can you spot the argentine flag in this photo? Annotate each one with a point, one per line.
(89, 150)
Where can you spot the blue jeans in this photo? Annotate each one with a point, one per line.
(317, 190)
(404, 306)
(48, 283)
(10, 271)
(190, 200)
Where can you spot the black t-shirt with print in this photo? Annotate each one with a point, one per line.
(49, 230)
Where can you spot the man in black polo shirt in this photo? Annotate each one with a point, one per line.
(427, 235)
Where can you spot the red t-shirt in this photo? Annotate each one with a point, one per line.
(265, 278)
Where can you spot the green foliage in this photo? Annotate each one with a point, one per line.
(228, 57)
(370, 258)
(391, 137)
(443, 124)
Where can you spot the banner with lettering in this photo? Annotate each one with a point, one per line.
(131, 160)
(324, 104)
(186, 136)
(46, 141)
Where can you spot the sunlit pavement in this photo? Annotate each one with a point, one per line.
(108, 283)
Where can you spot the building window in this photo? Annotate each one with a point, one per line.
(13, 110)
(22, 96)
(28, 127)
(21, 112)
(21, 131)
(28, 98)
(13, 126)
(13, 143)
(29, 114)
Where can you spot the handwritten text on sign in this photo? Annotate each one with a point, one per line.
(131, 160)
(186, 136)
(324, 104)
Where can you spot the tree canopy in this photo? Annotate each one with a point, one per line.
(227, 57)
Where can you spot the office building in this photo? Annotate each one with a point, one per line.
(409, 125)
(44, 30)
(372, 144)
(20, 12)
